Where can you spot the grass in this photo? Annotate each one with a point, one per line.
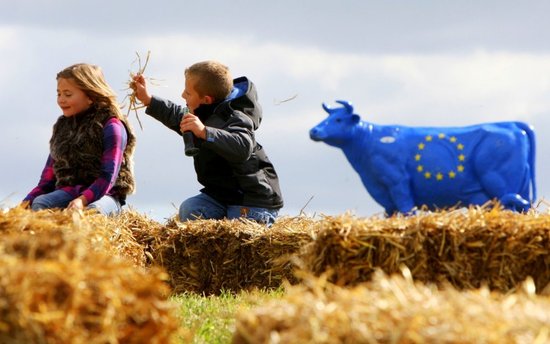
(211, 319)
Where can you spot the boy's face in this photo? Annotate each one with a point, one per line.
(191, 96)
(71, 99)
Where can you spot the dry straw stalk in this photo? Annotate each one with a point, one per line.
(61, 281)
(469, 248)
(396, 310)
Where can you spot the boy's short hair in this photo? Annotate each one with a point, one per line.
(212, 79)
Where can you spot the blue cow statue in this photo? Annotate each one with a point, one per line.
(404, 168)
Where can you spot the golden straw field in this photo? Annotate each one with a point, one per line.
(475, 275)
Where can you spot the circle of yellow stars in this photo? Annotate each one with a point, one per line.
(439, 176)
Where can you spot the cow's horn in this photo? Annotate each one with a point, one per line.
(347, 105)
(326, 108)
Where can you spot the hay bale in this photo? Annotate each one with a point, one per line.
(50, 232)
(396, 310)
(57, 291)
(209, 256)
(470, 248)
(132, 234)
(272, 252)
(61, 283)
(123, 235)
(18, 219)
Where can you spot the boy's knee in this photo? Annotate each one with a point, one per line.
(264, 217)
(195, 208)
(188, 211)
(186, 214)
(261, 215)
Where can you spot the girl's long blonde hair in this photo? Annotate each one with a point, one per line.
(89, 78)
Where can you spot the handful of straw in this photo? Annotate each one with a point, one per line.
(133, 102)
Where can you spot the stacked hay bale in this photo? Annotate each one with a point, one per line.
(396, 310)
(209, 256)
(118, 235)
(62, 282)
(131, 235)
(469, 247)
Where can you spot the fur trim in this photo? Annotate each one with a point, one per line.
(77, 146)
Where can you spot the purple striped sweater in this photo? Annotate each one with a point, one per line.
(114, 144)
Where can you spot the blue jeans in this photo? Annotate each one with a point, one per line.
(203, 206)
(106, 205)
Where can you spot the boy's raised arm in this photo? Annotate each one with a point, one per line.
(166, 112)
(140, 86)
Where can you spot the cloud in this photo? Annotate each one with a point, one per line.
(497, 85)
(378, 27)
(413, 88)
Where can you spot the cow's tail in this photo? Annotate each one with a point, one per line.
(532, 149)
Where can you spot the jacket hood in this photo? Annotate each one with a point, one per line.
(244, 98)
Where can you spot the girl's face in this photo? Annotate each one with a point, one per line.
(191, 96)
(71, 99)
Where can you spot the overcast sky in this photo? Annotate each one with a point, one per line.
(419, 63)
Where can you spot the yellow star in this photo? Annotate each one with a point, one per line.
(460, 168)
(460, 146)
(429, 138)
(461, 157)
(420, 168)
(439, 176)
(452, 174)
(441, 136)
(427, 175)
(421, 146)
(417, 157)
(452, 139)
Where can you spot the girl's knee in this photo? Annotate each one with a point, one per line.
(42, 202)
(107, 206)
(38, 205)
(57, 199)
(112, 211)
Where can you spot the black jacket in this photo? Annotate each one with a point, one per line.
(231, 165)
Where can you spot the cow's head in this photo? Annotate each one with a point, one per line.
(337, 129)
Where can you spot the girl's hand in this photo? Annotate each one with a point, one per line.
(192, 123)
(139, 85)
(78, 203)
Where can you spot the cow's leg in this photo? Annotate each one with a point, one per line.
(402, 196)
(394, 181)
(515, 202)
(496, 187)
(503, 170)
(398, 185)
(382, 196)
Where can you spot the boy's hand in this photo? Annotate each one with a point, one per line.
(140, 87)
(192, 123)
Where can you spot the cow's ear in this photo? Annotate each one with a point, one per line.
(355, 118)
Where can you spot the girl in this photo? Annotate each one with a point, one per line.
(90, 162)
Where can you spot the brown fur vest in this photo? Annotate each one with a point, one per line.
(77, 146)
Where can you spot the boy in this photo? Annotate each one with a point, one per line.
(238, 178)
